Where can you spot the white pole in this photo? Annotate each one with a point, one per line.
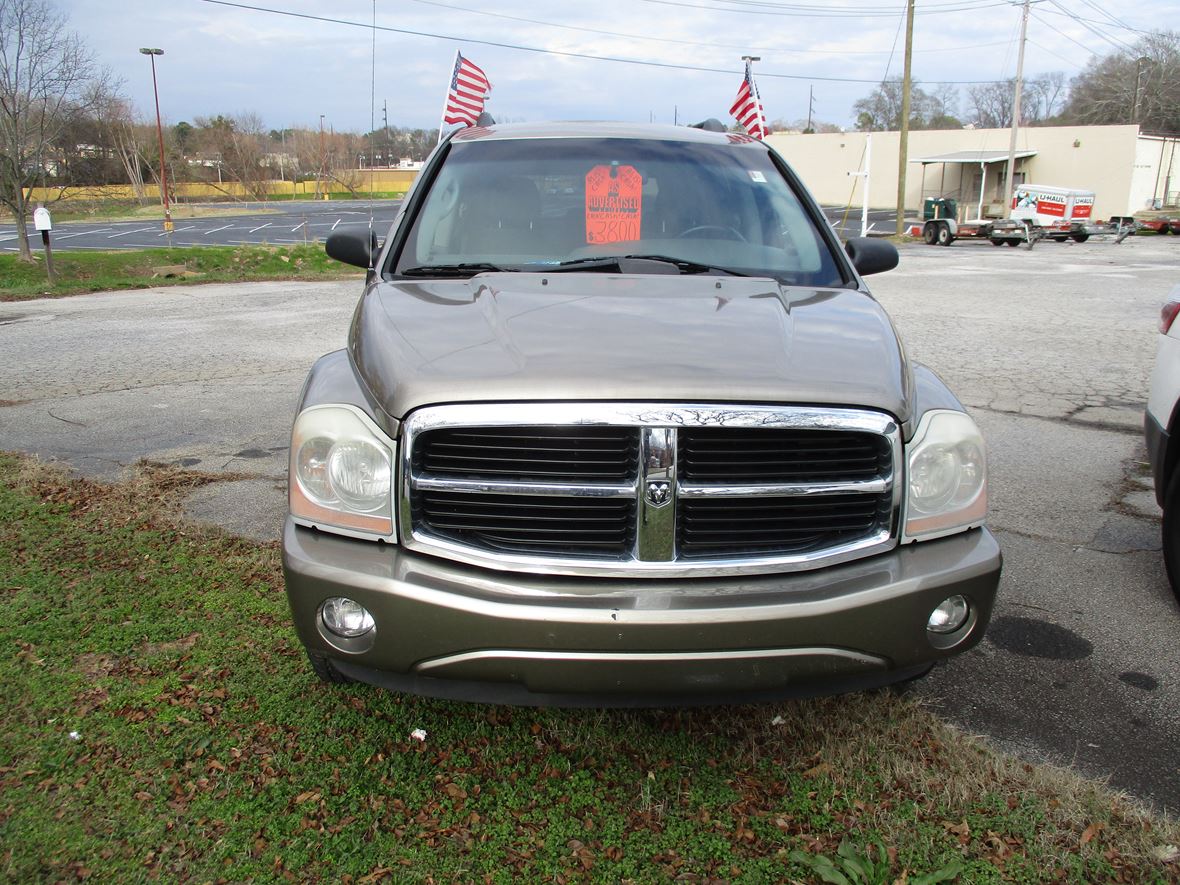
(446, 96)
(864, 209)
(982, 185)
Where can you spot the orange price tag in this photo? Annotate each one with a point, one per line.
(614, 204)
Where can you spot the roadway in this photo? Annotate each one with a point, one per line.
(282, 224)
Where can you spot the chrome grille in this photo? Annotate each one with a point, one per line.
(729, 527)
(725, 455)
(641, 490)
(532, 523)
(568, 454)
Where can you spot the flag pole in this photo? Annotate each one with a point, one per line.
(446, 96)
(749, 60)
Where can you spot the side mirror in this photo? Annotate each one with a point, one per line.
(870, 255)
(351, 247)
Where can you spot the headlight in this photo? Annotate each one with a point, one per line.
(946, 477)
(341, 471)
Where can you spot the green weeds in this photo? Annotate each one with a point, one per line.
(81, 272)
(160, 723)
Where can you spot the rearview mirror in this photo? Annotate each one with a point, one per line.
(871, 255)
(352, 247)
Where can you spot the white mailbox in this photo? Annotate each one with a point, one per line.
(41, 219)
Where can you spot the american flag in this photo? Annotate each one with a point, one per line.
(747, 107)
(470, 88)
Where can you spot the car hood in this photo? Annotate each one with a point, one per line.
(517, 337)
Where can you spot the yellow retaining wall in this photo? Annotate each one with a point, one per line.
(377, 180)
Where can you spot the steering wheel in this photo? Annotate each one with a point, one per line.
(692, 231)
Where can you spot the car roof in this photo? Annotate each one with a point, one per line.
(578, 129)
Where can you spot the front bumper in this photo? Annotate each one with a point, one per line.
(448, 630)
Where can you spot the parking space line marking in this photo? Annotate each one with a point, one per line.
(338, 220)
(82, 233)
(296, 227)
(261, 226)
(215, 230)
(123, 233)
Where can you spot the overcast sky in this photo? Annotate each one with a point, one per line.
(228, 59)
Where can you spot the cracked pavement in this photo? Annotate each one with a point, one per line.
(1051, 350)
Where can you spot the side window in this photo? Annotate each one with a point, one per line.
(796, 235)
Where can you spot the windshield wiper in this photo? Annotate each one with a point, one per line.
(616, 262)
(451, 270)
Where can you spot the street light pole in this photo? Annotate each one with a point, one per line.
(320, 177)
(152, 53)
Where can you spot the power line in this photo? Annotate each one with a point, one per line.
(1079, 18)
(745, 47)
(893, 48)
(561, 52)
(1069, 61)
(832, 11)
(1113, 41)
(1118, 22)
(1062, 33)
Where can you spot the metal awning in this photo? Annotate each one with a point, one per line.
(982, 159)
(973, 157)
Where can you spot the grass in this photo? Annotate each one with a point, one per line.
(80, 272)
(160, 723)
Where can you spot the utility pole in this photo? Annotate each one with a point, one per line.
(1011, 170)
(810, 106)
(903, 144)
(1139, 66)
(385, 117)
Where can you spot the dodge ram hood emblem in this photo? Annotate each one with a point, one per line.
(659, 493)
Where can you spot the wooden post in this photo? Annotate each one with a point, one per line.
(48, 256)
(43, 223)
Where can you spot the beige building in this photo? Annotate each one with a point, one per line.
(1127, 171)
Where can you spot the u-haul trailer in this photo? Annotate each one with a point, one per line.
(1038, 212)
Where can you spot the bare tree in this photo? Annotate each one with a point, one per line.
(46, 73)
(126, 135)
(239, 143)
(1046, 94)
(991, 103)
(1138, 85)
(881, 109)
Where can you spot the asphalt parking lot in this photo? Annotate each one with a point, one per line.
(280, 224)
(1051, 349)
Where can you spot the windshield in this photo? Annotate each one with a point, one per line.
(539, 204)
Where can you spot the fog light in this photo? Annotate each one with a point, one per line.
(950, 615)
(346, 617)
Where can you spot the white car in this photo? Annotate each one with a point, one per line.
(1161, 426)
